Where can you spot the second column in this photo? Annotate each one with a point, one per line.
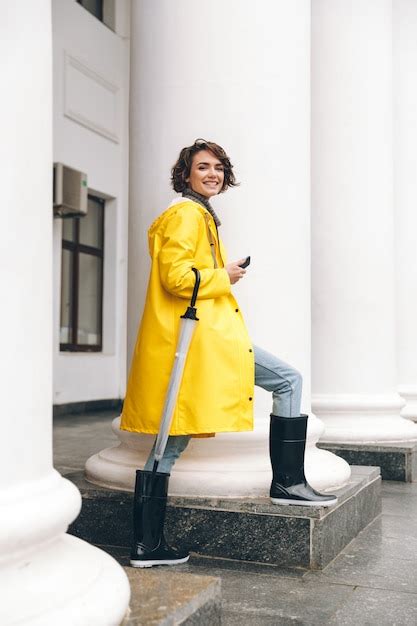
(241, 77)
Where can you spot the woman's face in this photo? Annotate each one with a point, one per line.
(206, 175)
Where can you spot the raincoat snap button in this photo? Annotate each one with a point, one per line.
(250, 398)
(237, 310)
(250, 349)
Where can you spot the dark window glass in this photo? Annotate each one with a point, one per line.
(95, 7)
(82, 280)
(89, 307)
(66, 288)
(68, 228)
(91, 230)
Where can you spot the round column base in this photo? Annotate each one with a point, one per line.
(234, 465)
(48, 577)
(363, 419)
(409, 394)
(83, 584)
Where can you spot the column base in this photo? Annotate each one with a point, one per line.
(236, 529)
(228, 465)
(409, 395)
(362, 419)
(70, 583)
(48, 577)
(398, 461)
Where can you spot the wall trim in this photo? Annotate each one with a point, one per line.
(111, 130)
(76, 408)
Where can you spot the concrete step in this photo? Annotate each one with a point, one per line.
(398, 461)
(162, 596)
(241, 529)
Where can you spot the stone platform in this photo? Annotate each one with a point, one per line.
(250, 529)
(162, 596)
(398, 461)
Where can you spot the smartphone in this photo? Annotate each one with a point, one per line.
(245, 262)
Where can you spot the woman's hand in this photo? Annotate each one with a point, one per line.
(235, 272)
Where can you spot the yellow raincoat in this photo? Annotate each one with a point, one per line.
(216, 394)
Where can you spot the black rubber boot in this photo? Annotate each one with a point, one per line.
(287, 442)
(149, 546)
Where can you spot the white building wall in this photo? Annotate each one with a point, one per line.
(90, 133)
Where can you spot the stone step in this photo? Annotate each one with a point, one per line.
(398, 461)
(161, 596)
(241, 529)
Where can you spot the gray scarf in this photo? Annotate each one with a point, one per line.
(193, 195)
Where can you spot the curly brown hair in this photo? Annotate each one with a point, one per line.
(182, 168)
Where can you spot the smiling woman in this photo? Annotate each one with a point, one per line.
(207, 174)
(221, 367)
(203, 167)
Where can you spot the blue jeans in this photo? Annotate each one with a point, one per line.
(271, 374)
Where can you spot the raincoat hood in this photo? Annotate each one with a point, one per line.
(159, 222)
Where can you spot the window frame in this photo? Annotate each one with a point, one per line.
(75, 247)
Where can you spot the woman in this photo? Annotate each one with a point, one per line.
(222, 366)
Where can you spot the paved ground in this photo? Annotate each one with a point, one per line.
(372, 582)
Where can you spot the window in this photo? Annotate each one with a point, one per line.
(103, 10)
(82, 280)
(95, 7)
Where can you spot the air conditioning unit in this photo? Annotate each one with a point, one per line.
(70, 191)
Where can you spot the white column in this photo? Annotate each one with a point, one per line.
(405, 196)
(354, 355)
(238, 75)
(46, 576)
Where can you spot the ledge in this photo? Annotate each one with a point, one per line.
(161, 596)
(240, 529)
(398, 461)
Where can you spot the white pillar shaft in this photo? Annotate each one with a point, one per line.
(352, 235)
(26, 268)
(36, 503)
(405, 196)
(238, 75)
